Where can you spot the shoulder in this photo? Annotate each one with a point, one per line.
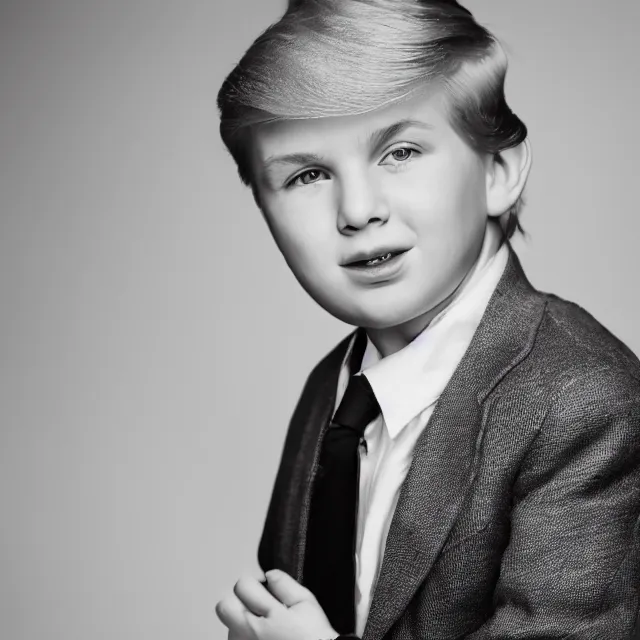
(587, 347)
(577, 378)
(578, 392)
(575, 328)
(580, 382)
(580, 356)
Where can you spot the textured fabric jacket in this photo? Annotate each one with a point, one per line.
(520, 514)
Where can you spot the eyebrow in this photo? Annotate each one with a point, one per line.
(376, 140)
(380, 137)
(292, 158)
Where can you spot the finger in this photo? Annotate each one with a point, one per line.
(286, 589)
(255, 597)
(234, 615)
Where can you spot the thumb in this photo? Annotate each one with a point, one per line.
(286, 589)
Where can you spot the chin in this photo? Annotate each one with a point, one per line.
(383, 318)
(380, 312)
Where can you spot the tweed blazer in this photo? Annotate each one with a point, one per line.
(520, 514)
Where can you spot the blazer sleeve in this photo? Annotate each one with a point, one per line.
(571, 569)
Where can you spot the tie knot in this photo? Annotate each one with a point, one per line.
(358, 406)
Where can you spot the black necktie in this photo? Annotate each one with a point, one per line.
(329, 569)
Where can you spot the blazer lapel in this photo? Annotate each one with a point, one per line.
(311, 420)
(283, 540)
(443, 464)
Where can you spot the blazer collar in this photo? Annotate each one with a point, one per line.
(444, 458)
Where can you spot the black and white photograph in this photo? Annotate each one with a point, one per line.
(319, 320)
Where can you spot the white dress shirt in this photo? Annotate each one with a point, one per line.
(407, 385)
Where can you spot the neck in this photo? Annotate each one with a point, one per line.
(391, 339)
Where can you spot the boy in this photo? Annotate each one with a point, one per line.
(466, 464)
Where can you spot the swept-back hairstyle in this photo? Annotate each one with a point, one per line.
(347, 57)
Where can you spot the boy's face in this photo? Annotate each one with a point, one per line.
(338, 191)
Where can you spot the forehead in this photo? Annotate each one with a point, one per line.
(426, 111)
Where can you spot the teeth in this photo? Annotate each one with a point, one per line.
(379, 259)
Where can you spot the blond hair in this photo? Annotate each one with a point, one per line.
(347, 57)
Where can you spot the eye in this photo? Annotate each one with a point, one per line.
(306, 177)
(402, 154)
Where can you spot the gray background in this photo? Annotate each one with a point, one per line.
(153, 343)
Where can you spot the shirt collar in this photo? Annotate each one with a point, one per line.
(410, 380)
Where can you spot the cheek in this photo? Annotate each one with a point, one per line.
(302, 234)
(446, 194)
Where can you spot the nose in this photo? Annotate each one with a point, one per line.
(360, 202)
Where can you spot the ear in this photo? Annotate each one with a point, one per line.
(507, 173)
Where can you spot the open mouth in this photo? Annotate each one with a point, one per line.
(373, 262)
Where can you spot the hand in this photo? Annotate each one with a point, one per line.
(285, 610)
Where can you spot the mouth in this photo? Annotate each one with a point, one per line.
(375, 260)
